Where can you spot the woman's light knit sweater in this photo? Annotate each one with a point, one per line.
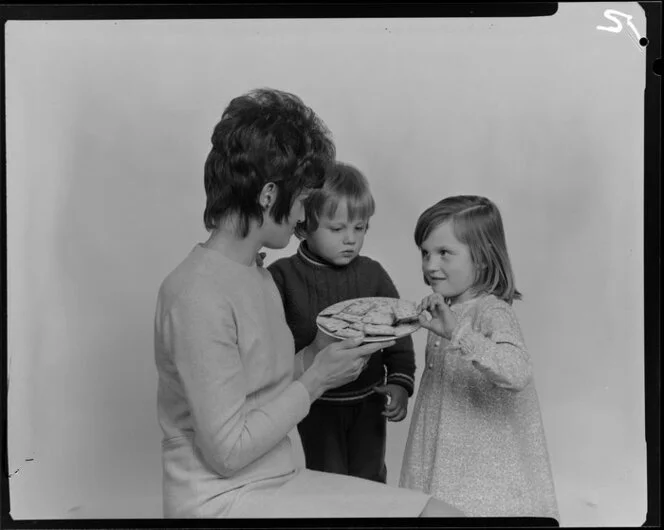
(226, 396)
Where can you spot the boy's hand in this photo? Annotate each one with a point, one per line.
(443, 321)
(397, 404)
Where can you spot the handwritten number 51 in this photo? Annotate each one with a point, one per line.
(612, 14)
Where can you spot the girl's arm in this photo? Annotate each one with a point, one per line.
(498, 349)
(201, 333)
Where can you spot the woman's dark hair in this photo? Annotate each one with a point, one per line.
(264, 136)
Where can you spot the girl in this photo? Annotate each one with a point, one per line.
(476, 438)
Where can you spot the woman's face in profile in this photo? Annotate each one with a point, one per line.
(278, 235)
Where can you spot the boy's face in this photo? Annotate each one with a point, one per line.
(338, 239)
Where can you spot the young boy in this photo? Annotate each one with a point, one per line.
(345, 431)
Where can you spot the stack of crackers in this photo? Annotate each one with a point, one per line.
(389, 317)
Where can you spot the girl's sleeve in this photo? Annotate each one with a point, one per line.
(202, 336)
(498, 349)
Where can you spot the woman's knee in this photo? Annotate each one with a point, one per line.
(438, 508)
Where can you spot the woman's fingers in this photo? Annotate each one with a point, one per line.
(372, 347)
(360, 365)
(348, 344)
(365, 351)
(363, 354)
(355, 346)
(351, 356)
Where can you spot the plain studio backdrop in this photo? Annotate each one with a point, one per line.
(108, 127)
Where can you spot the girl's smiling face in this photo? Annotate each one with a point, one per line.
(447, 264)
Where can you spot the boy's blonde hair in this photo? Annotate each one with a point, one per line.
(477, 223)
(341, 182)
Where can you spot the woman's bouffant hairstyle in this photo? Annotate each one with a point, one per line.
(264, 136)
(477, 223)
(343, 182)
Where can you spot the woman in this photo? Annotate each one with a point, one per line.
(231, 387)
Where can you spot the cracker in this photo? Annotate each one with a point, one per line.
(405, 312)
(349, 333)
(379, 317)
(378, 329)
(359, 308)
(332, 325)
(334, 309)
(348, 317)
(357, 325)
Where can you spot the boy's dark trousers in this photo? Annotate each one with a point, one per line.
(346, 439)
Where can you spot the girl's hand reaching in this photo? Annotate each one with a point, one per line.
(443, 320)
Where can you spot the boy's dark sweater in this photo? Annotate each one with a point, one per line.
(308, 285)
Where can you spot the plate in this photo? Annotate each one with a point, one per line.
(373, 303)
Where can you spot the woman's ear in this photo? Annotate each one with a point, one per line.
(268, 195)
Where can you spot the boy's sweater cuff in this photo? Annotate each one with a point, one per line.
(404, 380)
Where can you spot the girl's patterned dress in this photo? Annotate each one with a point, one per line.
(476, 437)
